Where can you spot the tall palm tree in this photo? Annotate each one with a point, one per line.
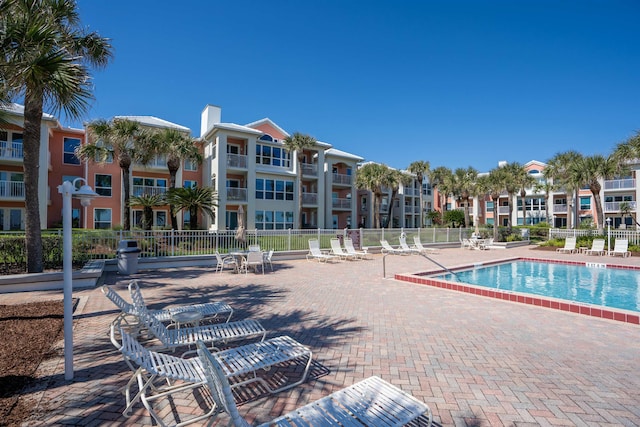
(392, 180)
(148, 202)
(45, 57)
(421, 169)
(463, 182)
(371, 176)
(193, 200)
(119, 139)
(559, 171)
(589, 171)
(545, 186)
(439, 179)
(298, 142)
(494, 184)
(523, 180)
(177, 147)
(626, 210)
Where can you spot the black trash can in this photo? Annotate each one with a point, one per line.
(127, 254)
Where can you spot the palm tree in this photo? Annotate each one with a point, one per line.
(558, 170)
(494, 185)
(299, 142)
(193, 200)
(589, 171)
(371, 176)
(524, 180)
(177, 147)
(148, 202)
(119, 139)
(439, 179)
(547, 187)
(463, 182)
(392, 180)
(46, 55)
(626, 210)
(421, 169)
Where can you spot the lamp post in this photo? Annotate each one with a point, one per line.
(608, 221)
(85, 194)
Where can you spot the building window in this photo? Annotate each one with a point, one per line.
(190, 165)
(69, 154)
(161, 219)
(585, 203)
(103, 185)
(189, 184)
(489, 206)
(102, 218)
(149, 186)
(270, 189)
(10, 144)
(274, 220)
(273, 156)
(11, 219)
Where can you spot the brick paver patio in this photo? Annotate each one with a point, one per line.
(475, 361)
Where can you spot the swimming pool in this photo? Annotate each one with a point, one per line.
(608, 287)
(600, 283)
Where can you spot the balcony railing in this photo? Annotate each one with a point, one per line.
(341, 203)
(620, 184)
(503, 210)
(236, 194)
(309, 169)
(236, 161)
(309, 198)
(558, 208)
(339, 178)
(147, 190)
(615, 206)
(11, 151)
(12, 189)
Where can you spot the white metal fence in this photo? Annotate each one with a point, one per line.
(561, 233)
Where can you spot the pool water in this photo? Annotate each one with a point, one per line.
(608, 287)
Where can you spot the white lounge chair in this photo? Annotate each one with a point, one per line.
(621, 248)
(240, 364)
(371, 402)
(209, 311)
(403, 245)
(597, 248)
(254, 259)
(388, 249)
(423, 249)
(317, 254)
(214, 334)
(226, 261)
(569, 246)
(266, 257)
(348, 246)
(336, 249)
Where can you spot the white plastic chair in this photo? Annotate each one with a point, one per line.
(597, 247)
(388, 249)
(336, 249)
(254, 248)
(253, 259)
(569, 246)
(621, 248)
(227, 261)
(348, 246)
(316, 253)
(418, 244)
(266, 258)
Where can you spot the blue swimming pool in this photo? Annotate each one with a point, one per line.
(608, 287)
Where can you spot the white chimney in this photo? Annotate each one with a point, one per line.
(209, 117)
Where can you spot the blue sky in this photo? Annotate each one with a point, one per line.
(458, 83)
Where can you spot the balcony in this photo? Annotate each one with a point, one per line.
(342, 179)
(235, 194)
(237, 161)
(11, 189)
(558, 208)
(11, 151)
(309, 198)
(620, 184)
(147, 190)
(309, 169)
(615, 206)
(503, 210)
(341, 203)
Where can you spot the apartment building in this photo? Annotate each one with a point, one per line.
(249, 168)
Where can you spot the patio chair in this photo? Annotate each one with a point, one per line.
(226, 261)
(403, 245)
(371, 402)
(621, 248)
(241, 365)
(214, 334)
(254, 259)
(348, 246)
(317, 254)
(597, 247)
(569, 246)
(131, 315)
(336, 249)
(266, 258)
(466, 244)
(388, 249)
(421, 248)
(254, 248)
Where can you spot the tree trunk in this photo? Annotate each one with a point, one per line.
(299, 158)
(126, 191)
(193, 218)
(496, 221)
(31, 153)
(523, 195)
(173, 167)
(376, 210)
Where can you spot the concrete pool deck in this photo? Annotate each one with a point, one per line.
(474, 360)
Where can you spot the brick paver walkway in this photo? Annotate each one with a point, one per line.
(475, 361)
